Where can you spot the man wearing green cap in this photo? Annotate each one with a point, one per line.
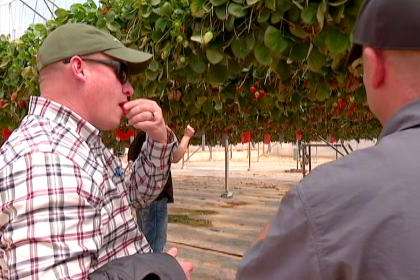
(65, 205)
(358, 218)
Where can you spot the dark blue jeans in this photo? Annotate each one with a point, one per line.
(153, 221)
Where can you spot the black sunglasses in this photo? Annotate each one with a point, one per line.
(119, 68)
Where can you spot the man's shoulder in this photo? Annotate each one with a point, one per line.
(37, 135)
(351, 175)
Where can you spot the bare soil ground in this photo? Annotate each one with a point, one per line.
(215, 232)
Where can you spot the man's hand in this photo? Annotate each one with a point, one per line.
(189, 131)
(186, 266)
(146, 115)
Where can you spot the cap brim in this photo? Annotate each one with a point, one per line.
(355, 53)
(137, 61)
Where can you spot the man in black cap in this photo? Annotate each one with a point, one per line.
(359, 217)
(65, 207)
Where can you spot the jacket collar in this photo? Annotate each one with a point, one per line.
(407, 117)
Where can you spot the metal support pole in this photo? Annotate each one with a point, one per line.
(304, 160)
(249, 156)
(344, 147)
(226, 193)
(310, 158)
(298, 155)
(203, 141)
(33, 10)
(231, 151)
(49, 9)
(55, 5)
(211, 153)
(258, 151)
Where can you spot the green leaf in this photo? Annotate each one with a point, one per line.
(293, 14)
(298, 31)
(221, 13)
(154, 66)
(204, 40)
(198, 65)
(316, 60)
(166, 9)
(283, 6)
(263, 16)
(323, 92)
(276, 17)
(237, 10)
(156, 35)
(197, 38)
(197, 8)
(250, 42)
(271, 4)
(275, 41)
(241, 48)
(4, 63)
(299, 52)
(217, 3)
(336, 41)
(113, 26)
(208, 36)
(309, 13)
(214, 56)
(320, 15)
(161, 24)
(252, 2)
(61, 13)
(155, 2)
(230, 25)
(217, 75)
(281, 68)
(151, 75)
(262, 55)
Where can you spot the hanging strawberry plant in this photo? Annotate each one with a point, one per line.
(225, 66)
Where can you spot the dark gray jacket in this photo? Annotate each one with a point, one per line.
(151, 266)
(356, 218)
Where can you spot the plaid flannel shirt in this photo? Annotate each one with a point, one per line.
(65, 202)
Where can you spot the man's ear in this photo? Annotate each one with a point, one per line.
(77, 68)
(374, 63)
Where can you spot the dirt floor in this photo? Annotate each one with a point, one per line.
(215, 232)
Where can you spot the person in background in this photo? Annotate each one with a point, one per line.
(64, 204)
(153, 220)
(358, 218)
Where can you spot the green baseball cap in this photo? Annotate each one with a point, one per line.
(82, 39)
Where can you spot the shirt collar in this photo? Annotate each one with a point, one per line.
(407, 117)
(41, 106)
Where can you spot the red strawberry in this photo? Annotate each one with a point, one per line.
(6, 132)
(299, 135)
(253, 89)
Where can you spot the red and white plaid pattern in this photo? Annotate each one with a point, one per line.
(65, 208)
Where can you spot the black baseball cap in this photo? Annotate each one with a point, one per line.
(81, 39)
(388, 25)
